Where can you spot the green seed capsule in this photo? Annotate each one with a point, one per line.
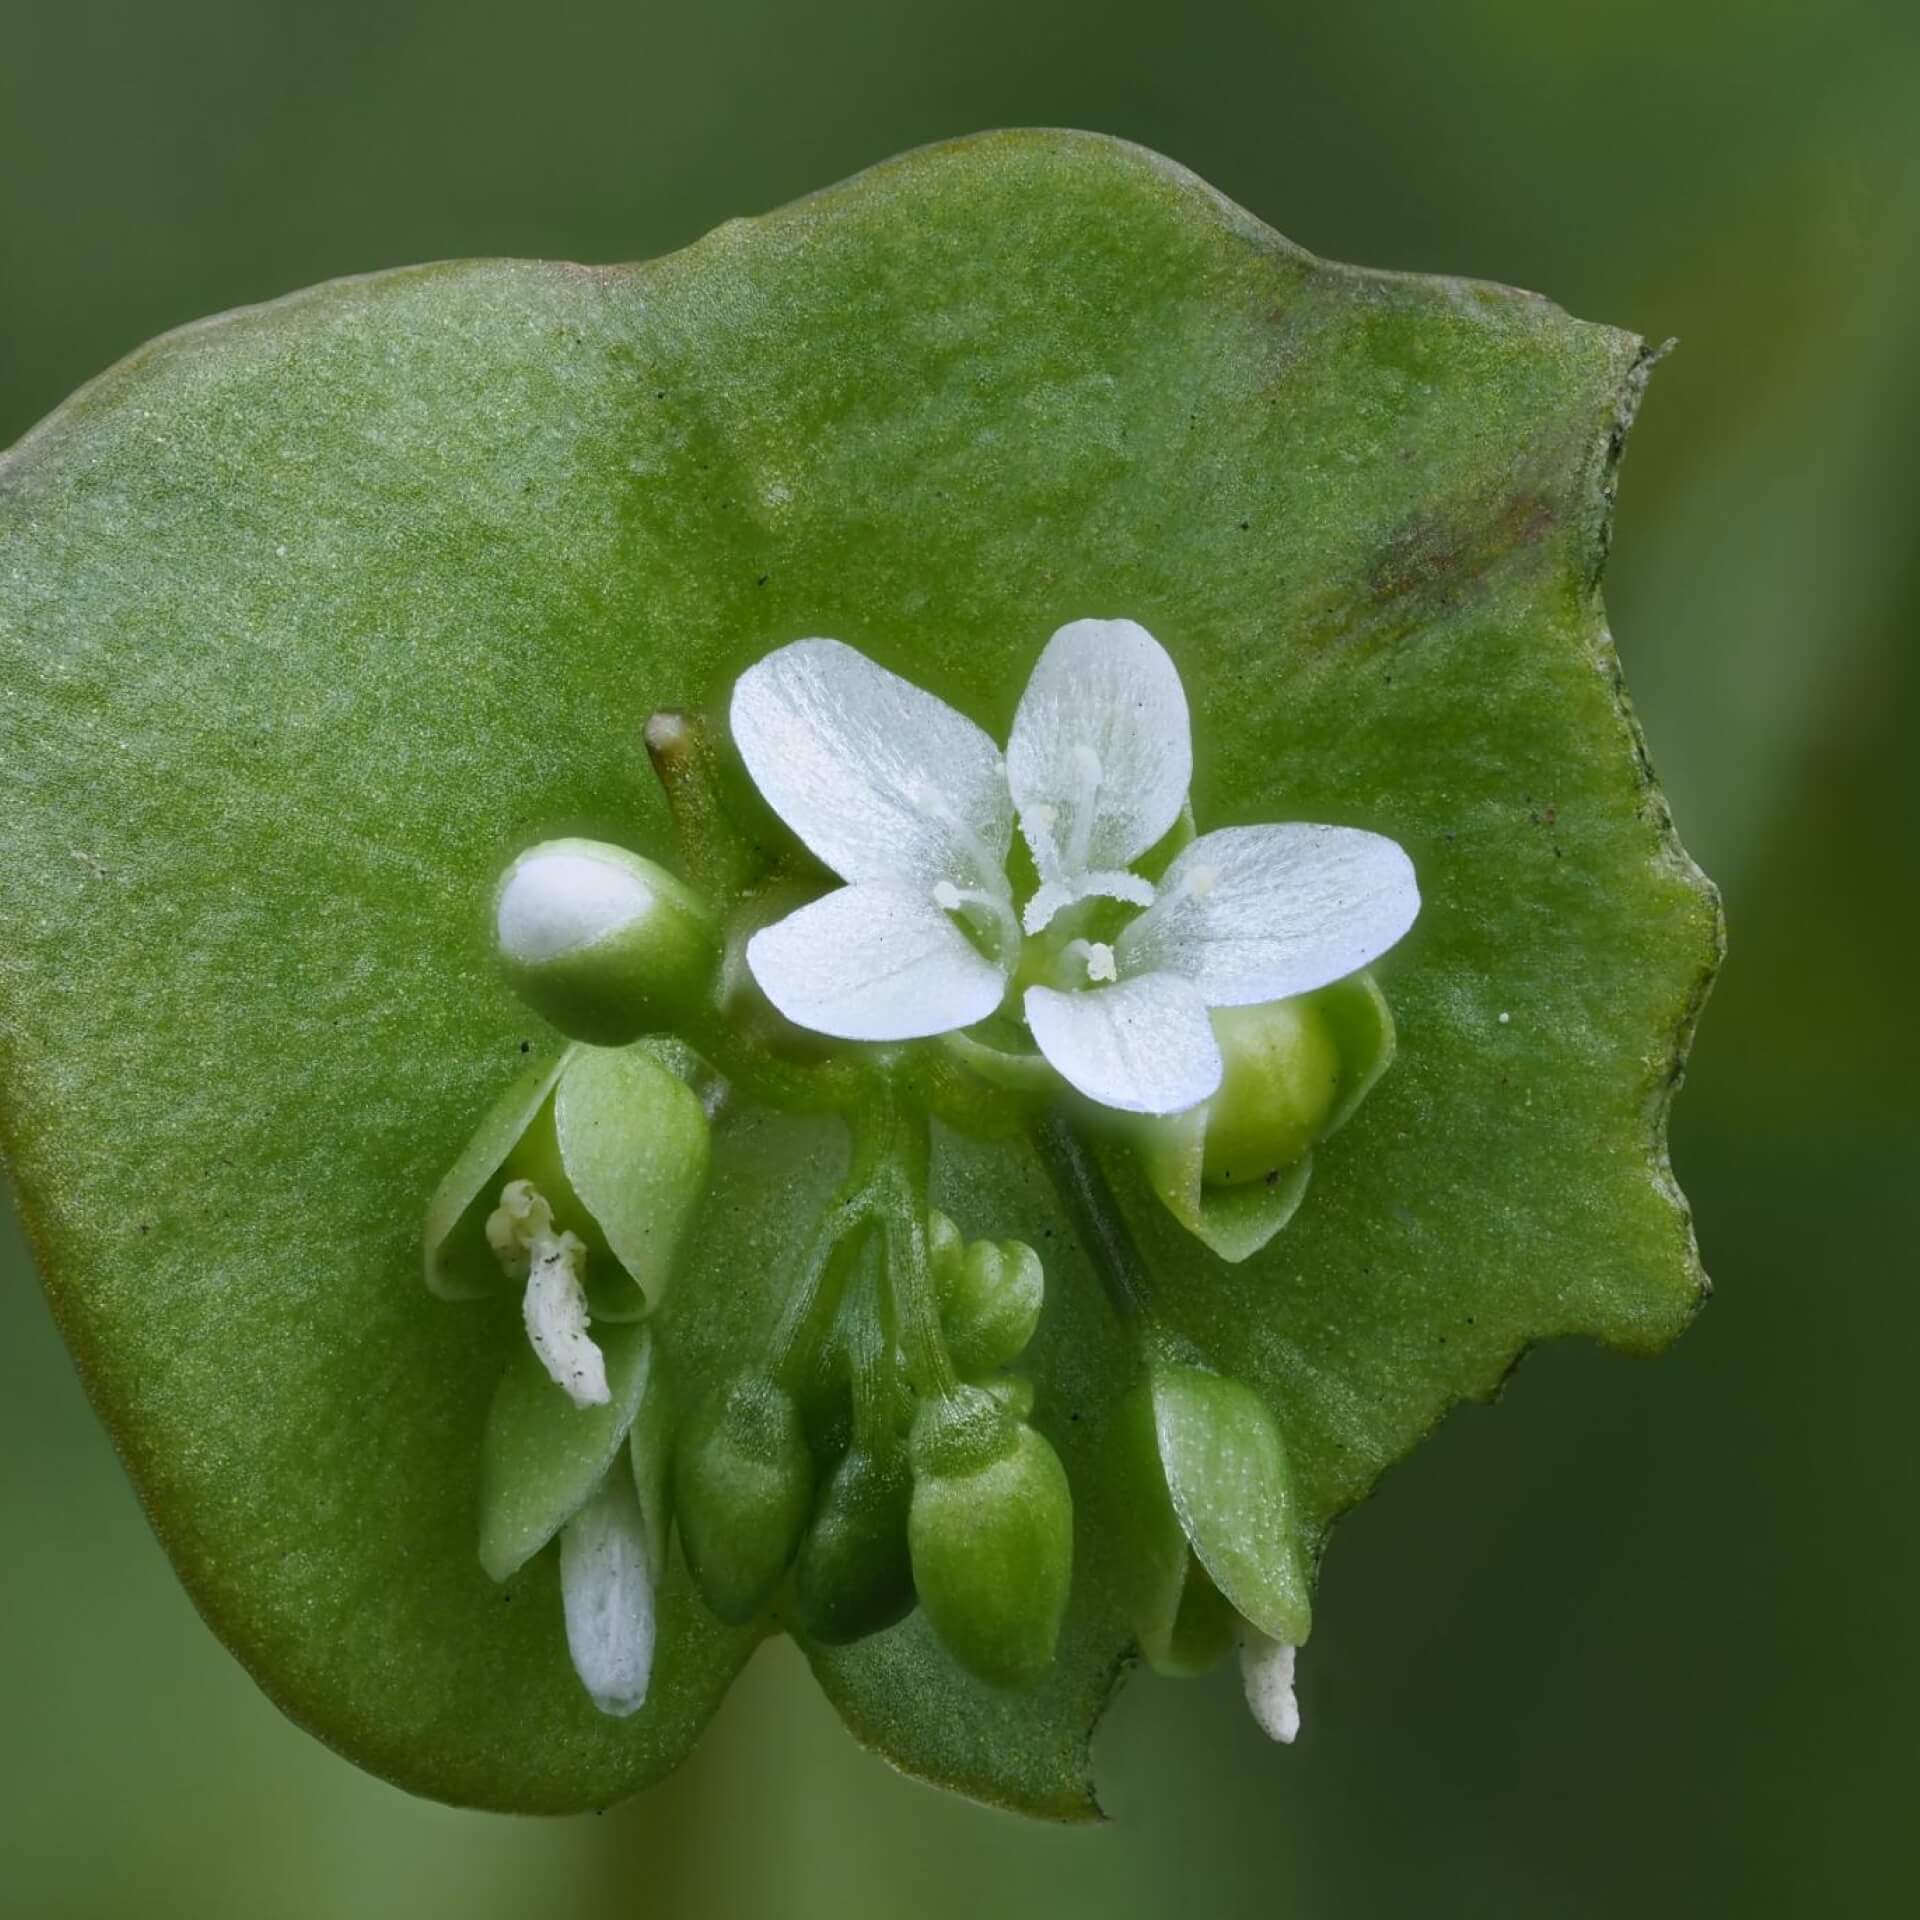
(854, 1576)
(990, 1531)
(743, 1485)
(1281, 1074)
(601, 942)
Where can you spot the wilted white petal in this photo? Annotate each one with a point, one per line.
(1260, 913)
(874, 963)
(1101, 752)
(554, 1307)
(1144, 1046)
(606, 1589)
(1266, 1668)
(880, 779)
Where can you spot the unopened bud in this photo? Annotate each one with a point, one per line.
(743, 1484)
(603, 943)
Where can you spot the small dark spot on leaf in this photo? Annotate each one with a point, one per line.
(526, 1046)
(762, 581)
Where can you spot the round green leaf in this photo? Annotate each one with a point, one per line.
(312, 616)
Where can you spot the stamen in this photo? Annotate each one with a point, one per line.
(1100, 965)
(1202, 881)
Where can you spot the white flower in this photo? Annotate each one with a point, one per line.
(913, 806)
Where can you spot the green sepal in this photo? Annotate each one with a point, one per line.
(743, 1488)
(1229, 1485)
(992, 1552)
(962, 1432)
(1153, 1559)
(541, 1456)
(1361, 1022)
(459, 1264)
(1205, 1628)
(854, 1576)
(616, 1142)
(650, 1456)
(1235, 1222)
(632, 1142)
(1000, 1052)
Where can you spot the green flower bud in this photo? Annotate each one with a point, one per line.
(1208, 1514)
(601, 942)
(854, 1576)
(1280, 1072)
(743, 1485)
(614, 1142)
(990, 1294)
(990, 1531)
(1234, 1169)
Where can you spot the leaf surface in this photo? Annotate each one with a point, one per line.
(313, 615)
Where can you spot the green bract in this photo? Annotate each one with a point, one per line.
(313, 617)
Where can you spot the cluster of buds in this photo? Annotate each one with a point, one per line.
(875, 1452)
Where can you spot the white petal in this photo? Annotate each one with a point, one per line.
(554, 1308)
(1102, 740)
(880, 779)
(1266, 1669)
(565, 895)
(606, 1588)
(1144, 1046)
(874, 963)
(1260, 913)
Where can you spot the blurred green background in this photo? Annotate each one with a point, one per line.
(1639, 1639)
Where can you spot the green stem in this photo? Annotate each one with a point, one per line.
(916, 1311)
(868, 1351)
(815, 1298)
(720, 855)
(1097, 1221)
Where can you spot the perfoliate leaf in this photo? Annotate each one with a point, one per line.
(312, 616)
